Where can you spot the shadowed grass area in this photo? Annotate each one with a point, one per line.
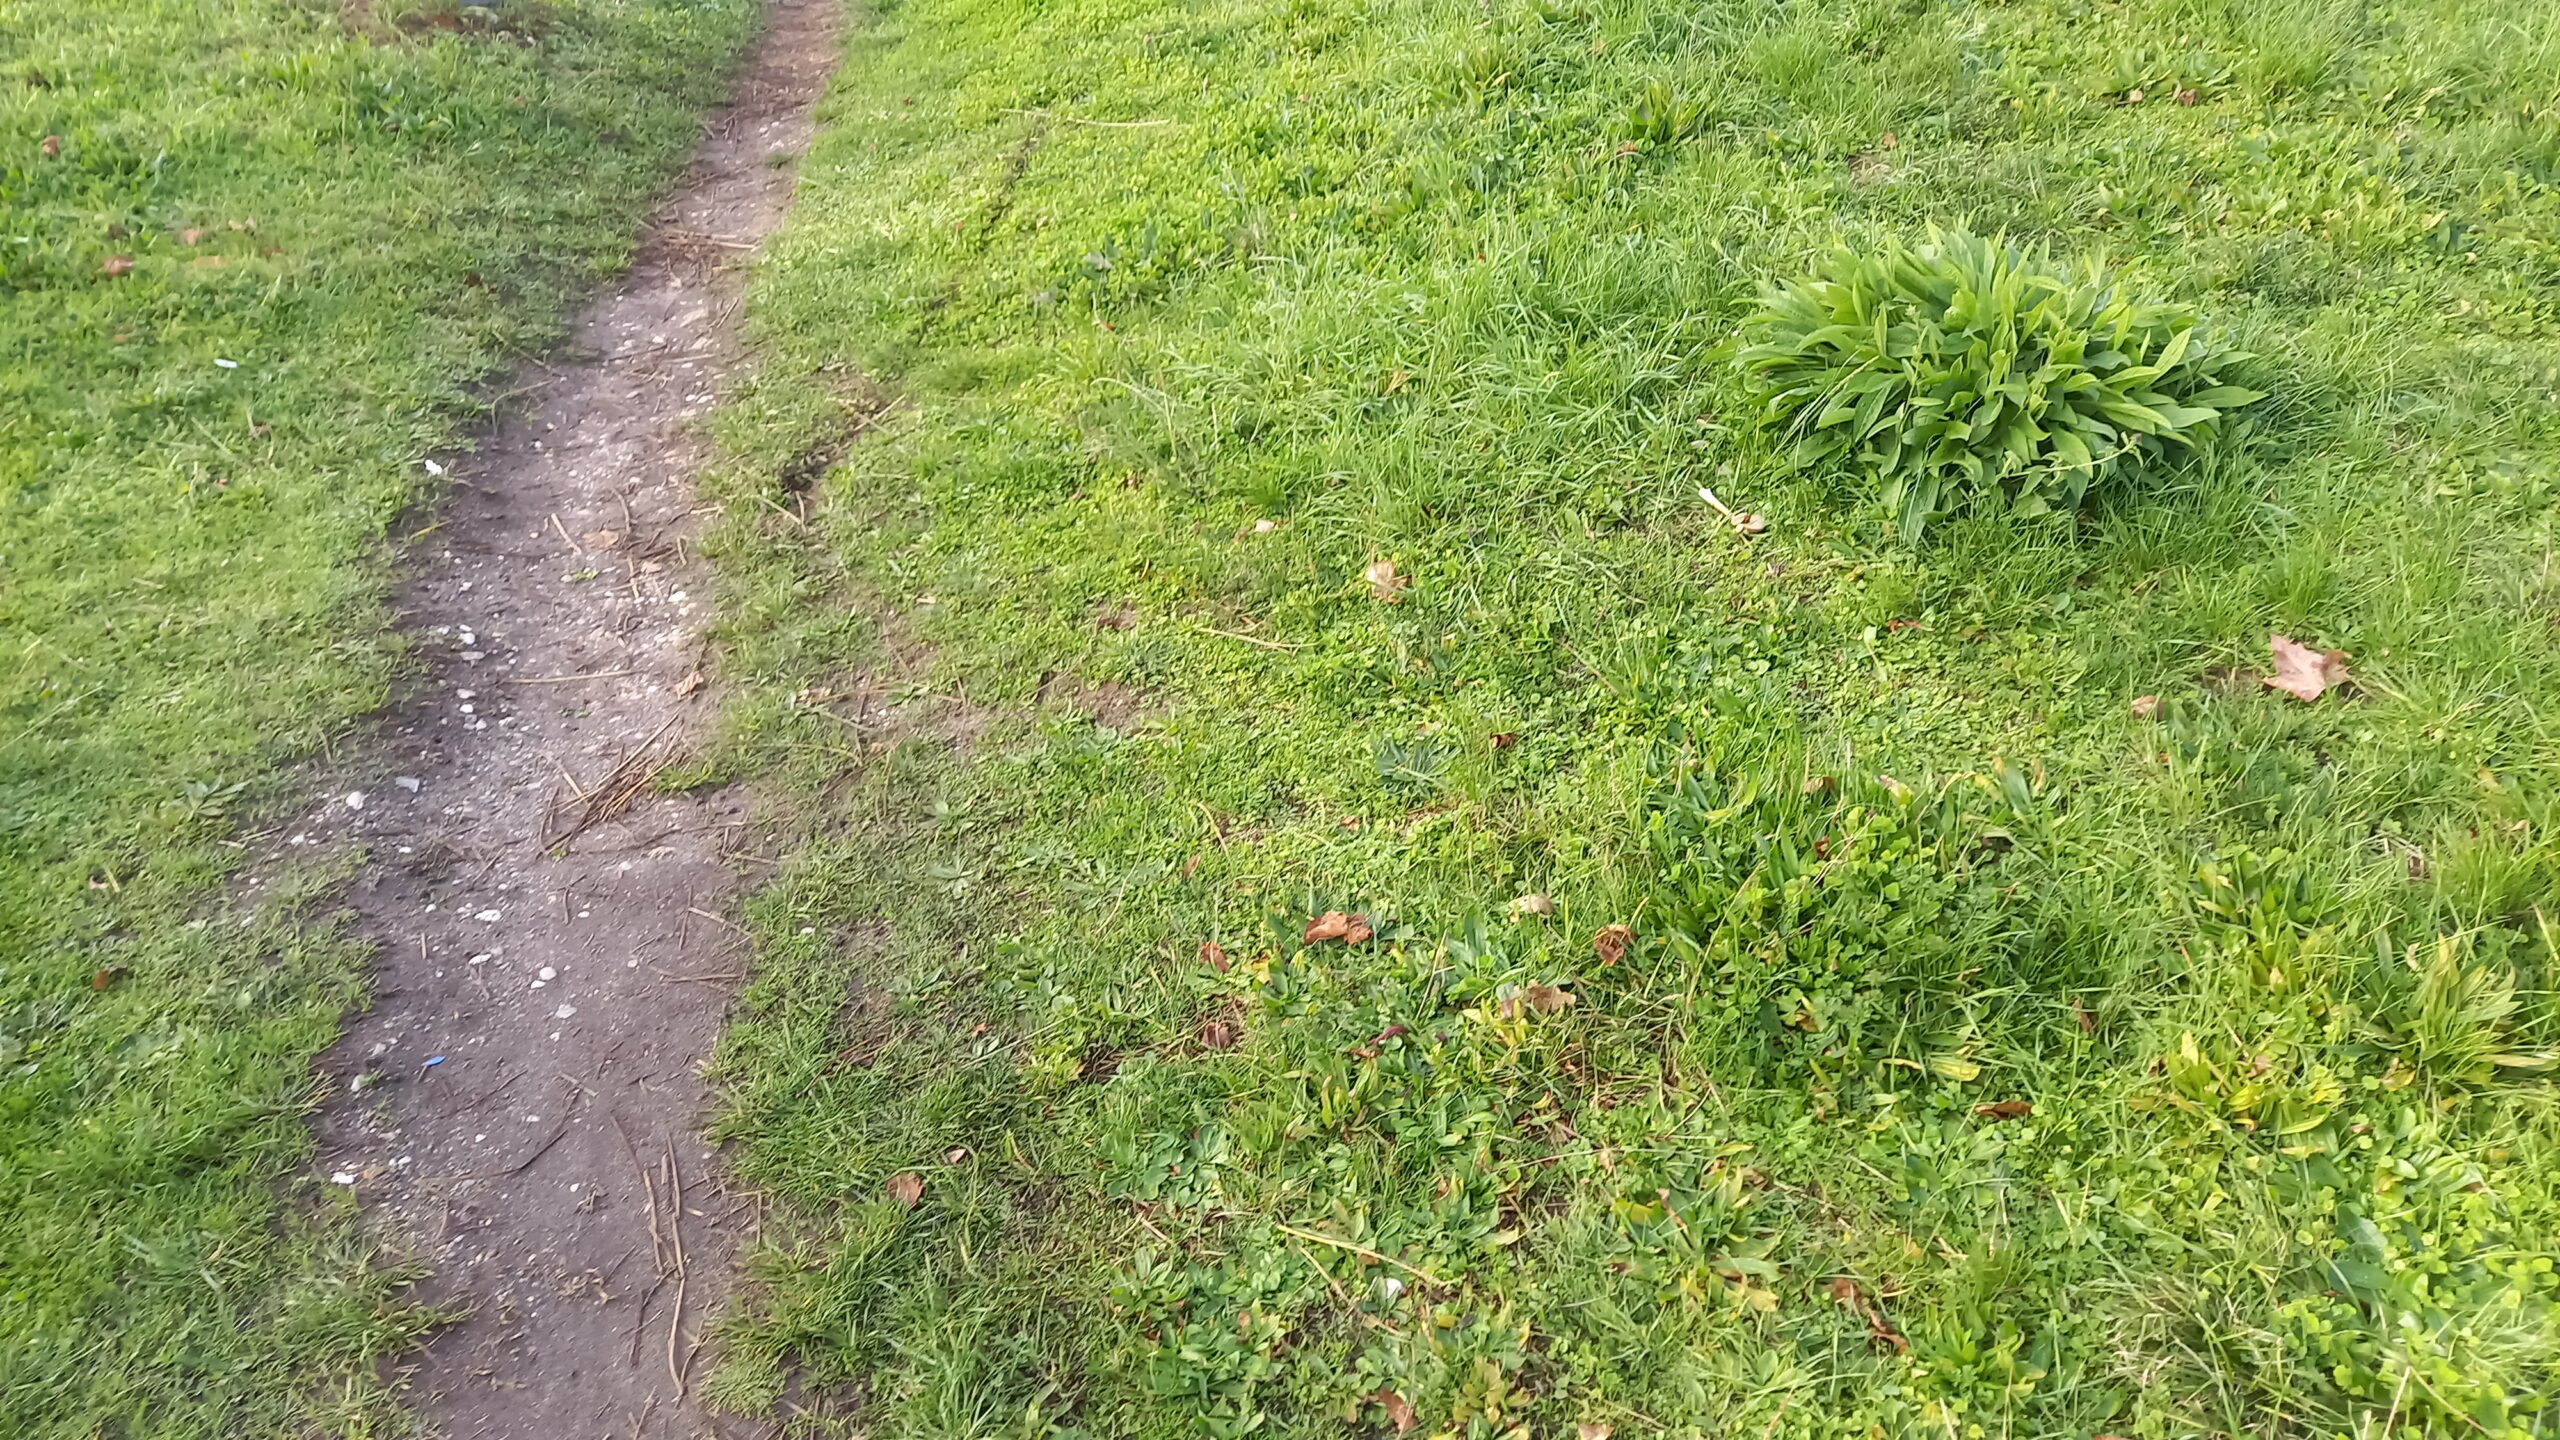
(252, 257)
(1982, 1054)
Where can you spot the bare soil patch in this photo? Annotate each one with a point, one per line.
(522, 1106)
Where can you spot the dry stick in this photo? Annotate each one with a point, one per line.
(1252, 640)
(564, 532)
(675, 1320)
(622, 784)
(566, 679)
(1424, 1276)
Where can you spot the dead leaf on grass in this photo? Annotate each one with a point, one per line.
(1592, 1430)
(1504, 740)
(1214, 955)
(1337, 925)
(1612, 942)
(1384, 583)
(2146, 707)
(952, 1156)
(1543, 998)
(1219, 1034)
(905, 1188)
(1399, 1409)
(192, 235)
(1533, 904)
(2302, 672)
(106, 977)
(2005, 1110)
(50, 146)
(118, 265)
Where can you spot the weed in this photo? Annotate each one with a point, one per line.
(1968, 372)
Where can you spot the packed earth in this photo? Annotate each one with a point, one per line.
(1827, 718)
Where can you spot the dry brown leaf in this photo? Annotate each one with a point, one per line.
(1533, 904)
(905, 1188)
(1214, 956)
(1592, 1430)
(106, 977)
(2006, 1110)
(1384, 583)
(118, 265)
(1846, 1294)
(690, 683)
(192, 235)
(2146, 707)
(1337, 925)
(51, 146)
(2302, 672)
(954, 1155)
(1399, 1410)
(1219, 1034)
(602, 539)
(1504, 740)
(1543, 998)
(1612, 942)
(2186, 97)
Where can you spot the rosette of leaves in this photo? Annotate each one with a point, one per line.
(1967, 374)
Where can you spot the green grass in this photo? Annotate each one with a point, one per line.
(1078, 297)
(338, 221)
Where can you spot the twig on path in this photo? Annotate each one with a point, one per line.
(565, 679)
(620, 786)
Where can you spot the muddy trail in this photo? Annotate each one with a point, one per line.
(522, 1107)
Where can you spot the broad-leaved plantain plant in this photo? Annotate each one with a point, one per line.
(1967, 374)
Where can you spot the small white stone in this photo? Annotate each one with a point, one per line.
(486, 915)
(342, 1178)
(564, 1012)
(355, 799)
(547, 973)
(407, 782)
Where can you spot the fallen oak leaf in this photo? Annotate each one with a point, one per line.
(1213, 955)
(2006, 1110)
(1399, 1409)
(1612, 942)
(1337, 925)
(905, 1188)
(2302, 672)
(1384, 583)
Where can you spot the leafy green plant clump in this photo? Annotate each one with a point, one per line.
(1968, 374)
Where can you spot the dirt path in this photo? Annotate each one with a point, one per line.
(522, 1106)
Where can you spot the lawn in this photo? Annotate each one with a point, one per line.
(1215, 465)
(255, 255)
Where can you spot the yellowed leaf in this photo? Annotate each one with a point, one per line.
(904, 1189)
(1384, 583)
